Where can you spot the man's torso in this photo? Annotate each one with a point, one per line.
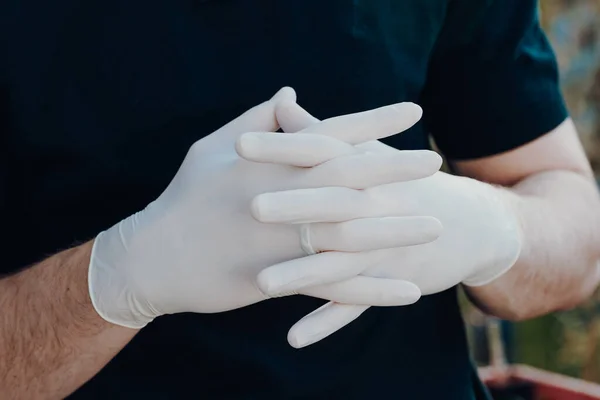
(105, 98)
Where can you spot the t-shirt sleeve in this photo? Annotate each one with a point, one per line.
(496, 90)
(4, 212)
(4, 215)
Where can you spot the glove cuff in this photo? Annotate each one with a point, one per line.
(108, 284)
(508, 241)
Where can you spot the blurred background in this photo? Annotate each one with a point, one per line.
(565, 342)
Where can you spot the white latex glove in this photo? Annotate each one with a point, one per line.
(481, 239)
(198, 249)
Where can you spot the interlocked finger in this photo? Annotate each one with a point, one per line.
(367, 234)
(322, 322)
(315, 270)
(261, 117)
(306, 150)
(336, 163)
(365, 290)
(292, 118)
(351, 128)
(300, 206)
(364, 170)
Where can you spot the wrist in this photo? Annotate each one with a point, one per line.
(507, 237)
(110, 286)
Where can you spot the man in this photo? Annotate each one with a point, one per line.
(102, 100)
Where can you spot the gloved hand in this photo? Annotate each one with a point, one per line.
(481, 239)
(198, 249)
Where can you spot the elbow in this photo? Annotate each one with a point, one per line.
(565, 302)
(518, 314)
(521, 314)
(525, 312)
(589, 284)
(509, 308)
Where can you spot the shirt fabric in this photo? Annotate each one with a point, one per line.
(100, 100)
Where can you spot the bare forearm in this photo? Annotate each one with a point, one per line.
(558, 266)
(51, 339)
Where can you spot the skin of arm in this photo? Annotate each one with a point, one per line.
(551, 188)
(51, 339)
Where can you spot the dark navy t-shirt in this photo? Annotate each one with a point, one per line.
(100, 100)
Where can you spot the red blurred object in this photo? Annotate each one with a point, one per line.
(506, 380)
(544, 385)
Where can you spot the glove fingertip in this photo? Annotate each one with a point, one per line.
(295, 341)
(285, 93)
(258, 208)
(436, 160)
(246, 145)
(265, 283)
(410, 110)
